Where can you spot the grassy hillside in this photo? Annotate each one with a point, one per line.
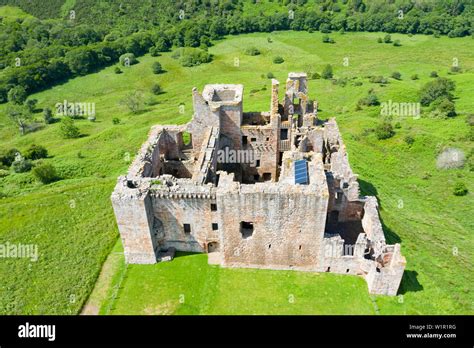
(73, 242)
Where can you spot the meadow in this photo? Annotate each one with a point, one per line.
(72, 221)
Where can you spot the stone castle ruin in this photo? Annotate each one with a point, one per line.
(254, 189)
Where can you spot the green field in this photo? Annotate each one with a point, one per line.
(73, 224)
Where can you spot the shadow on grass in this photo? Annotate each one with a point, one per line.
(410, 283)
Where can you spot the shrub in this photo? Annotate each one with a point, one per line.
(128, 59)
(117, 70)
(327, 72)
(45, 172)
(409, 140)
(378, 79)
(156, 89)
(31, 104)
(154, 51)
(397, 43)
(445, 106)
(315, 76)
(455, 69)
(384, 130)
(441, 87)
(17, 95)
(270, 75)
(379, 40)
(48, 116)
(116, 120)
(8, 157)
(252, 51)
(36, 152)
(189, 56)
(68, 129)
(387, 38)
(460, 189)
(157, 68)
(22, 165)
(396, 75)
(370, 100)
(414, 77)
(4, 173)
(278, 60)
(433, 74)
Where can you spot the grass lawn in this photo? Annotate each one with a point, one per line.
(417, 205)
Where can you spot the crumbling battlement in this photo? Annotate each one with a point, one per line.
(271, 189)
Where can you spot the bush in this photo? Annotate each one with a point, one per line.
(379, 40)
(409, 140)
(327, 39)
(441, 87)
(384, 130)
(128, 59)
(396, 75)
(378, 79)
(270, 75)
(397, 43)
(445, 106)
(17, 95)
(455, 69)
(327, 72)
(315, 76)
(68, 129)
(370, 100)
(278, 60)
(433, 74)
(45, 172)
(116, 120)
(460, 189)
(8, 157)
(117, 70)
(414, 77)
(4, 173)
(387, 38)
(36, 152)
(154, 51)
(189, 56)
(156, 89)
(252, 51)
(22, 165)
(48, 116)
(157, 68)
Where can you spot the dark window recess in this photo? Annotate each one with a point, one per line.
(213, 207)
(267, 176)
(215, 227)
(268, 139)
(244, 140)
(269, 246)
(246, 229)
(347, 270)
(300, 247)
(257, 164)
(338, 197)
(256, 177)
(253, 139)
(329, 269)
(284, 134)
(187, 228)
(280, 159)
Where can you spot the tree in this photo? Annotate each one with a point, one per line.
(370, 100)
(21, 116)
(68, 129)
(278, 60)
(36, 152)
(396, 75)
(17, 95)
(156, 89)
(128, 59)
(441, 87)
(48, 116)
(7, 158)
(157, 68)
(387, 38)
(384, 130)
(327, 72)
(45, 172)
(31, 104)
(133, 101)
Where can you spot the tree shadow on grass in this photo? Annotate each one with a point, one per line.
(409, 283)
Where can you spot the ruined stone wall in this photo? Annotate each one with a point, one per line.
(230, 122)
(263, 141)
(288, 224)
(178, 206)
(134, 214)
